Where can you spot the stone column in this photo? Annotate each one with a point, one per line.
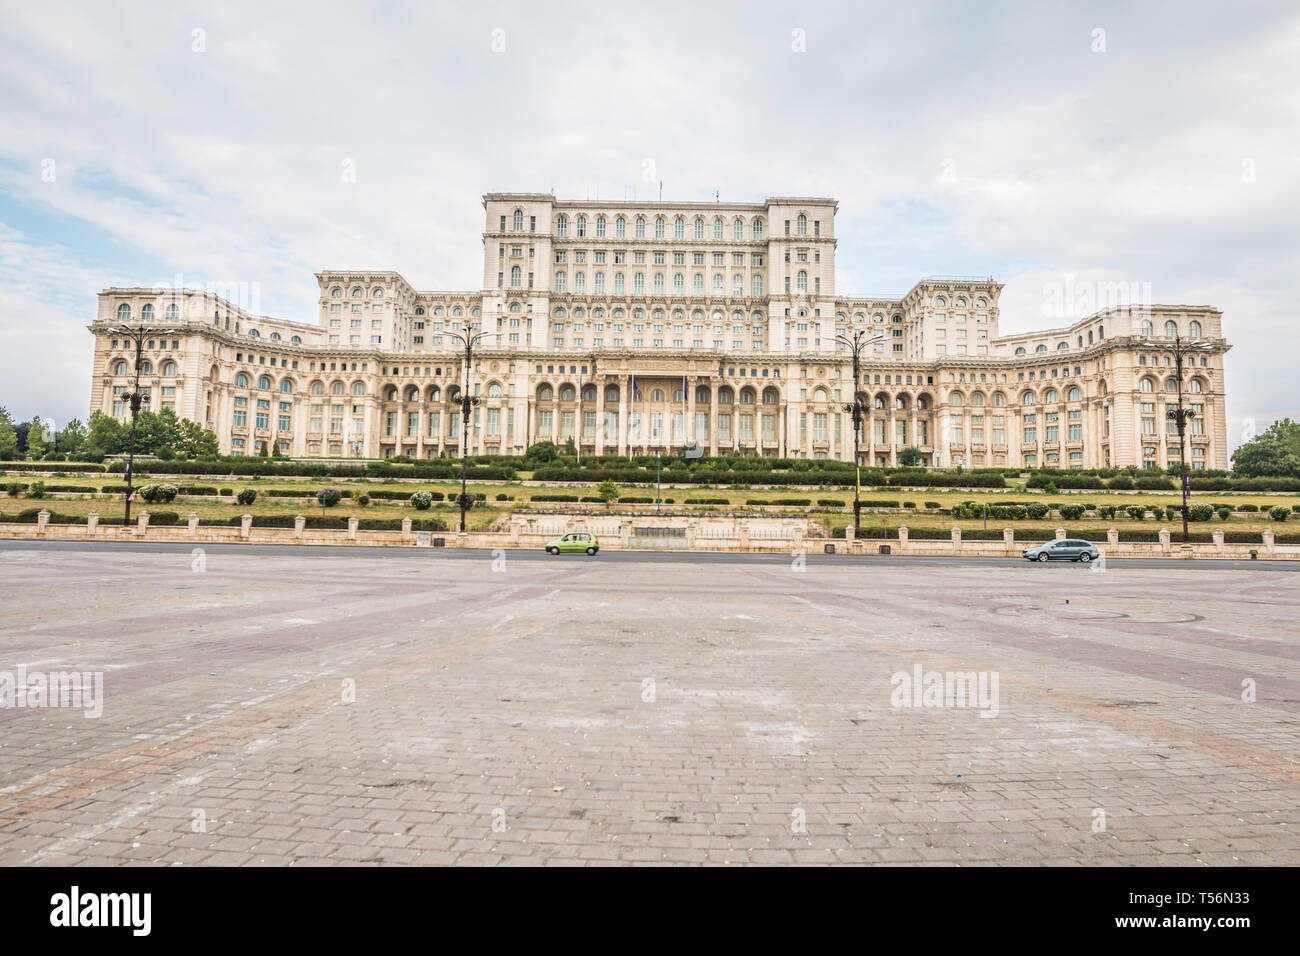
(1112, 537)
(299, 523)
(624, 422)
(1268, 541)
(352, 528)
(744, 537)
(690, 408)
(1164, 540)
(1218, 540)
(956, 534)
(92, 522)
(406, 529)
(713, 419)
(245, 525)
(194, 524)
(599, 382)
(1009, 539)
(1060, 533)
(902, 538)
(142, 523)
(42, 519)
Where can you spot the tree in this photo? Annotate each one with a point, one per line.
(909, 457)
(155, 431)
(38, 442)
(106, 436)
(8, 437)
(541, 452)
(608, 492)
(1273, 453)
(195, 441)
(72, 440)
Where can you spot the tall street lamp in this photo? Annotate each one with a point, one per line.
(469, 339)
(135, 399)
(1180, 416)
(858, 341)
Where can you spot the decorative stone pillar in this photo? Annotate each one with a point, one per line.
(142, 523)
(1060, 533)
(744, 537)
(299, 523)
(1009, 538)
(902, 537)
(92, 522)
(1218, 540)
(42, 519)
(245, 525)
(956, 534)
(353, 521)
(406, 529)
(1164, 540)
(1112, 537)
(796, 539)
(1268, 541)
(194, 524)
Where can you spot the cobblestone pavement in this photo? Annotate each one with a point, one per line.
(268, 709)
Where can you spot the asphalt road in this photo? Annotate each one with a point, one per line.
(633, 557)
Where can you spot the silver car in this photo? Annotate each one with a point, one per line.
(1064, 549)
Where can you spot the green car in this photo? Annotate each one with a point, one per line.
(574, 542)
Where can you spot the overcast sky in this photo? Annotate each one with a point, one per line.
(1045, 144)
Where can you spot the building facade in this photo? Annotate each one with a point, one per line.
(627, 327)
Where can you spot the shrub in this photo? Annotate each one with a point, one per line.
(329, 497)
(1106, 511)
(1279, 512)
(830, 503)
(932, 504)
(421, 501)
(158, 493)
(1224, 513)
(1038, 511)
(1072, 512)
(15, 488)
(909, 504)
(246, 496)
(1250, 508)
(1200, 512)
(363, 500)
(1137, 512)
(1120, 483)
(1296, 509)
(555, 498)
(710, 501)
(36, 490)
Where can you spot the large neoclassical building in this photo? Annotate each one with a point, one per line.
(627, 327)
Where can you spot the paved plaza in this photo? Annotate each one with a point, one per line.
(298, 706)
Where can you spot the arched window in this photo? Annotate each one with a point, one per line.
(640, 227)
(241, 380)
(582, 225)
(724, 395)
(758, 228)
(999, 399)
(922, 403)
(900, 403)
(659, 227)
(679, 228)
(357, 292)
(169, 368)
(1147, 328)
(1194, 329)
(589, 393)
(390, 393)
(286, 385)
(264, 383)
(1075, 394)
(1020, 351)
(955, 399)
(1062, 346)
(1041, 348)
(770, 396)
(318, 388)
(699, 229)
(1028, 398)
(358, 388)
(1196, 386)
(1147, 385)
(803, 225)
(747, 396)
(519, 220)
(562, 225)
(336, 292)
(146, 313)
(337, 388)
(656, 395)
(879, 402)
(124, 313)
(611, 393)
(173, 313)
(1171, 328)
(1171, 385)
(801, 281)
(121, 368)
(620, 227)
(494, 390)
(296, 340)
(516, 277)
(977, 398)
(1051, 395)
(600, 227)
(545, 393)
